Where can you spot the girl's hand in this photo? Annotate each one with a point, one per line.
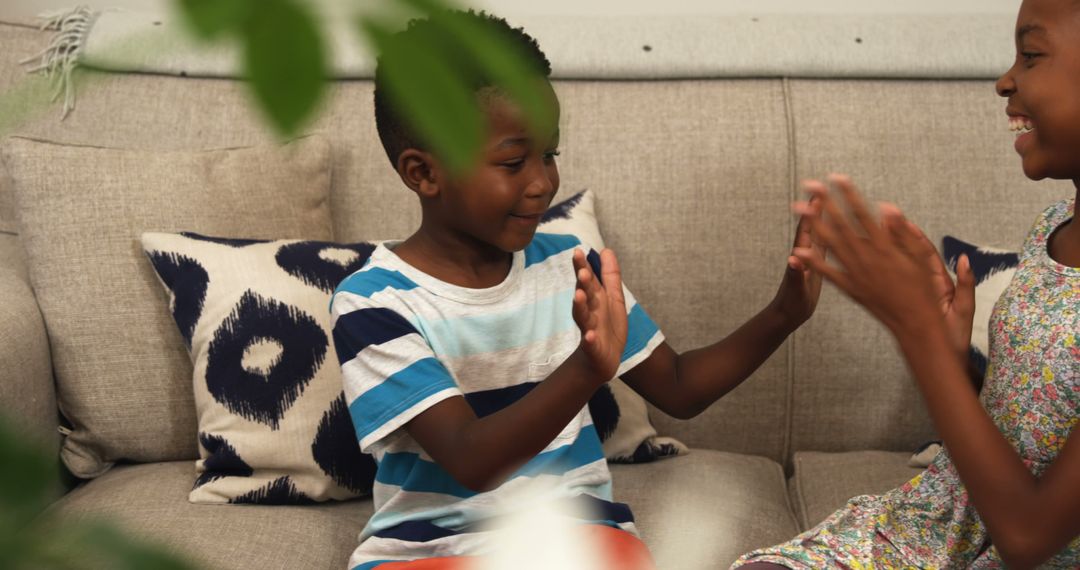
(957, 302)
(879, 266)
(600, 313)
(801, 286)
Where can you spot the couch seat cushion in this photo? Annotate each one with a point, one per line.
(823, 482)
(704, 509)
(152, 501)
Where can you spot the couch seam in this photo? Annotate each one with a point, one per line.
(785, 86)
(801, 497)
(787, 500)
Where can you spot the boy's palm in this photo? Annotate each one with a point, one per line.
(600, 313)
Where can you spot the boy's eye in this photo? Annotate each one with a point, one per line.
(1029, 56)
(550, 155)
(513, 164)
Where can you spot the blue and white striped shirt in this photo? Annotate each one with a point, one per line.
(407, 341)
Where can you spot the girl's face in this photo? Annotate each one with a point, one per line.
(1043, 88)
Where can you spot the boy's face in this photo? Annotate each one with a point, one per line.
(501, 200)
(1043, 88)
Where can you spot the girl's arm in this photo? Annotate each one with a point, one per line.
(1029, 519)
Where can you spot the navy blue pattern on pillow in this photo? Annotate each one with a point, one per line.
(231, 242)
(604, 411)
(563, 209)
(337, 452)
(257, 394)
(280, 491)
(323, 264)
(983, 263)
(188, 282)
(221, 460)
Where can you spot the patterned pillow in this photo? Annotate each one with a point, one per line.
(619, 413)
(993, 269)
(273, 424)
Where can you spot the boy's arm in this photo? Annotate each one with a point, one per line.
(481, 453)
(684, 385)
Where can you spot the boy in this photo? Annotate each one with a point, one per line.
(470, 350)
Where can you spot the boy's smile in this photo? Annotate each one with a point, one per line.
(1041, 87)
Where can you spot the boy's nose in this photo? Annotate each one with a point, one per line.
(541, 185)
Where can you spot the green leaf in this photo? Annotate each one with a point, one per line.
(211, 18)
(26, 479)
(286, 63)
(502, 58)
(439, 106)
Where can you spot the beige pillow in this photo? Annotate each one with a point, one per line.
(122, 372)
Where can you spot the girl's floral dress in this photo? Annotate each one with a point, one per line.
(1032, 392)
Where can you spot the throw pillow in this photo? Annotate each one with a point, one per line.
(619, 413)
(274, 427)
(123, 376)
(993, 269)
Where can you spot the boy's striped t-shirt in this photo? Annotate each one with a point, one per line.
(407, 341)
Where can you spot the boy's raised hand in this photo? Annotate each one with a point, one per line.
(800, 288)
(600, 312)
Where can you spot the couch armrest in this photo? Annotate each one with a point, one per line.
(27, 392)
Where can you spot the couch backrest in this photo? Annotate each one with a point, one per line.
(694, 180)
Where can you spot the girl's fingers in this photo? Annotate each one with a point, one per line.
(833, 216)
(858, 208)
(825, 234)
(815, 262)
(964, 301)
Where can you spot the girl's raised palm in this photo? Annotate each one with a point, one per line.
(957, 302)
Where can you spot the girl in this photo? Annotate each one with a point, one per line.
(1007, 489)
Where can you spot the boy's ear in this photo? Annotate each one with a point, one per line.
(418, 171)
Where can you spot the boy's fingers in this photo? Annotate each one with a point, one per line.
(612, 275)
(804, 234)
(580, 309)
(834, 229)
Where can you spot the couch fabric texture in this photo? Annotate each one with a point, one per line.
(693, 179)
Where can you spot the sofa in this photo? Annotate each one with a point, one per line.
(693, 168)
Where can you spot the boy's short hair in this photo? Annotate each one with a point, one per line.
(394, 131)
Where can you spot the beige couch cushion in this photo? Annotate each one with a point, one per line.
(123, 374)
(150, 501)
(823, 482)
(701, 511)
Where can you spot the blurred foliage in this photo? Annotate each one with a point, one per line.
(32, 537)
(287, 62)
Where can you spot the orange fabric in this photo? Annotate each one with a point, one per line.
(622, 551)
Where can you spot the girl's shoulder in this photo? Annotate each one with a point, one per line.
(1048, 221)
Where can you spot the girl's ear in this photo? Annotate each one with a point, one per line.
(419, 172)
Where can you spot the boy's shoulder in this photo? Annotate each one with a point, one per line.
(374, 277)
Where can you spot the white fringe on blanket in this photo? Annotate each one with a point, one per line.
(61, 57)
